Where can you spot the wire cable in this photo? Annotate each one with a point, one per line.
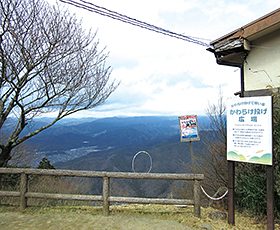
(214, 198)
(132, 21)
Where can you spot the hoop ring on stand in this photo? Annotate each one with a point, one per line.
(137, 154)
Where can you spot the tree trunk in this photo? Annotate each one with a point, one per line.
(5, 156)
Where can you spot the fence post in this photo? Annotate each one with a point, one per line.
(106, 192)
(196, 194)
(23, 190)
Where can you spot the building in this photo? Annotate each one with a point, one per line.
(255, 48)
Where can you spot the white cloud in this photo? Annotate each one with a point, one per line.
(163, 75)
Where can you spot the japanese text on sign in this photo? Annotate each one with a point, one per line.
(249, 126)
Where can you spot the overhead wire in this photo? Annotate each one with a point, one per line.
(135, 22)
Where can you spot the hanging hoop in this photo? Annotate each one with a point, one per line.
(214, 198)
(137, 154)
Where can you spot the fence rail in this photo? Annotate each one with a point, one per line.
(24, 194)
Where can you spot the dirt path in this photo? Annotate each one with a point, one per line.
(82, 221)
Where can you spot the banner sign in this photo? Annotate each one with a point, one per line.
(249, 130)
(188, 128)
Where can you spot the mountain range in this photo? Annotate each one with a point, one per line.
(109, 144)
(78, 139)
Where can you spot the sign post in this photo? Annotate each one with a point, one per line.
(249, 139)
(189, 131)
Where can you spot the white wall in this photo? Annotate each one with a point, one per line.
(262, 65)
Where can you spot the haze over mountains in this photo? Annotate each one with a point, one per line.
(109, 144)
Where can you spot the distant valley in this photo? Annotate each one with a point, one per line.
(109, 144)
(79, 140)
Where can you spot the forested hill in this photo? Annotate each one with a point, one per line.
(110, 143)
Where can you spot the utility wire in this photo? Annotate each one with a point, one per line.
(132, 21)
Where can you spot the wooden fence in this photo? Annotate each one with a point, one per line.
(24, 194)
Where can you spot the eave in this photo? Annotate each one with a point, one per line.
(232, 48)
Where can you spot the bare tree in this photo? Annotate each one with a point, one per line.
(48, 64)
(214, 163)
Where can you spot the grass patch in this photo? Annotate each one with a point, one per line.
(122, 217)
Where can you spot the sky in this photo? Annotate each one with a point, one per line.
(160, 75)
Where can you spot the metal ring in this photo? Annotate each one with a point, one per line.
(143, 152)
